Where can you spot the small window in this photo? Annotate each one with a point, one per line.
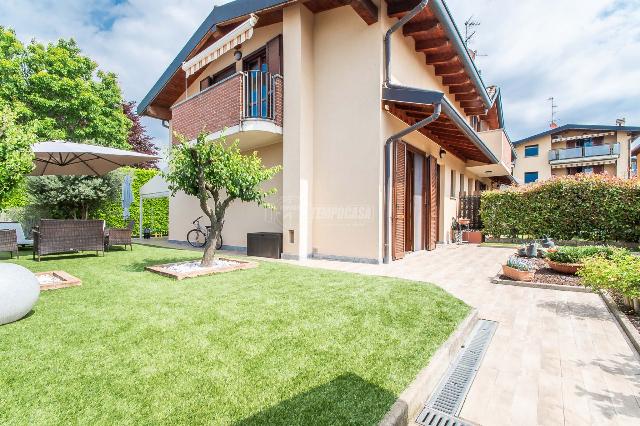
(224, 74)
(531, 151)
(461, 183)
(530, 177)
(217, 77)
(452, 193)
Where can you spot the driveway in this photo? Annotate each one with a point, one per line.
(557, 358)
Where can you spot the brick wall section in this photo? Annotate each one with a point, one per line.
(210, 111)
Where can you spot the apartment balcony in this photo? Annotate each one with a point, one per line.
(247, 106)
(498, 142)
(584, 156)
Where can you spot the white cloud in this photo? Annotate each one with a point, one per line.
(585, 53)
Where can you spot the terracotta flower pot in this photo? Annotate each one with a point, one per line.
(564, 268)
(474, 237)
(516, 274)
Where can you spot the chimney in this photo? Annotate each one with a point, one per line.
(553, 125)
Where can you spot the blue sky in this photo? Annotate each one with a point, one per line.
(585, 53)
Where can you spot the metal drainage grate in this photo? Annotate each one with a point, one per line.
(450, 394)
(431, 417)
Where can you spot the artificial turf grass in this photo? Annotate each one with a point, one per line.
(278, 344)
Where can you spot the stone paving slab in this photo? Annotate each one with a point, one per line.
(557, 358)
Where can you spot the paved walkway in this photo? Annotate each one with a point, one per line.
(557, 358)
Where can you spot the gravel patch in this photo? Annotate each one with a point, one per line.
(633, 317)
(49, 279)
(194, 266)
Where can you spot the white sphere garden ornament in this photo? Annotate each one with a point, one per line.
(19, 291)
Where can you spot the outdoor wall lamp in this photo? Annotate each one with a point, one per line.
(442, 153)
(237, 55)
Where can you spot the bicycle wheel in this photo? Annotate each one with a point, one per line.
(196, 238)
(219, 242)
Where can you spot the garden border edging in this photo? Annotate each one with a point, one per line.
(413, 398)
(533, 284)
(629, 330)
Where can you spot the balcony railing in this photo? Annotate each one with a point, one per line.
(259, 95)
(584, 152)
(251, 95)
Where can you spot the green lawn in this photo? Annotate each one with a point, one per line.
(278, 344)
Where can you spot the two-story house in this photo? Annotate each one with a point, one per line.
(575, 148)
(374, 109)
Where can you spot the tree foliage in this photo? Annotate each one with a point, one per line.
(138, 138)
(589, 207)
(217, 174)
(16, 157)
(73, 197)
(61, 92)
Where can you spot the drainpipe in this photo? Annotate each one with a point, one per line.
(389, 143)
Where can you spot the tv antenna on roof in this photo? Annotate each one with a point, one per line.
(469, 31)
(553, 124)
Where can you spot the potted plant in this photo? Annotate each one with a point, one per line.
(568, 260)
(518, 270)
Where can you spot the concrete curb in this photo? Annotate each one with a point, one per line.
(498, 280)
(411, 400)
(632, 333)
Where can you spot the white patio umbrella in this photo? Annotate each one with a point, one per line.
(78, 159)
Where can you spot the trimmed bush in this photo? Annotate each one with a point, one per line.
(620, 273)
(567, 254)
(588, 207)
(156, 211)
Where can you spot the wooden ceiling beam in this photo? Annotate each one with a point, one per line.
(459, 78)
(440, 58)
(449, 69)
(420, 28)
(471, 104)
(467, 97)
(431, 44)
(465, 88)
(365, 9)
(398, 9)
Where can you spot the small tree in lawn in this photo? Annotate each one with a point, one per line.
(217, 174)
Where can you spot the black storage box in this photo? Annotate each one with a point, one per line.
(264, 244)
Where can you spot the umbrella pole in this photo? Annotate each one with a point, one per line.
(140, 224)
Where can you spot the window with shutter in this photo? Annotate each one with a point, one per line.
(399, 198)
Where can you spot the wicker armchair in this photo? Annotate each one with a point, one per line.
(54, 236)
(119, 236)
(9, 242)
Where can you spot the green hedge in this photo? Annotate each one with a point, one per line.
(156, 211)
(589, 207)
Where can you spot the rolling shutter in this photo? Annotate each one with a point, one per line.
(432, 203)
(399, 197)
(274, 56)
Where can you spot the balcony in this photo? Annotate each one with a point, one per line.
(247, 106)
(602, 154)
(498, 142)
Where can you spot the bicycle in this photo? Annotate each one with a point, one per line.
(198, 236)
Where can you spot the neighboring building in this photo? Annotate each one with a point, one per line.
(635, 151)
(575, 148)
(303, 85)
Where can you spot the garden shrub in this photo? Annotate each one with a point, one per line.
(568, 254)
(156, 210)
(589, 207)
(619, 273)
